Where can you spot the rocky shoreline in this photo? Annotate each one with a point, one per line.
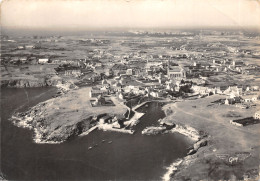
(42, 134)
(198, 139)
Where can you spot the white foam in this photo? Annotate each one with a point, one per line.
(171, 169)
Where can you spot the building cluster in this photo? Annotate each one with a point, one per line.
(144, 72)
(242, 97)
(168, 79)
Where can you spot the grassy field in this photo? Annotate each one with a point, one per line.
(75, 106)
(27, 71)
(224, 139)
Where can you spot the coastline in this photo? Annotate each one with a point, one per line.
(26, 122)
(65, 116)
(85, 140)
(198, 141)
(188, 131)
(208, 143)
(36, 117)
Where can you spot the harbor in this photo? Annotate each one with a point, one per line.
(74, 158)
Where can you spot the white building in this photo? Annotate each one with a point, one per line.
(176, 72)
(234, 91)
(129, 72)
(250, 98)
(29, 46)
(257, 115)
(43, 60)
(201, 90)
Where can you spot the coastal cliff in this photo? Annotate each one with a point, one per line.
(47, 133)
(64, 117)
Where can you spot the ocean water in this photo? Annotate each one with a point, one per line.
(128, 157)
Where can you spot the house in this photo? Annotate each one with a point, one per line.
(156, 94)
(234, 100)
(216, 62)
(97, 92)
(200, 89)
(117, 125)
(205, 65)
(217, 90)
(73, 72)
(117, 87)
(23, 59)
(105, 119)
(43, 60)
(237, 63)
(21, 47)
(29, 46)
(257, 114)
(252, 88)
(129, 72)
(121, 96)
(161, 78)
(255, 88)
(233, 90)
(119, 69)
(92, 76)
(170, 85)
(118, 121)
(250, 98)
(99, 101)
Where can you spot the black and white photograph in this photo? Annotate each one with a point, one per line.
(130, 90)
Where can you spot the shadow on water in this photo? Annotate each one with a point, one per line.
(127, 157)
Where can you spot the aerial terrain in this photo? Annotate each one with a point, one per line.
(206, 82)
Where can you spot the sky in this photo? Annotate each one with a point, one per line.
(91, 14)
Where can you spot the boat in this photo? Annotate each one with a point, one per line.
(191, 152)
(89, 148)
(109, 142)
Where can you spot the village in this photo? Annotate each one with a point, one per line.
(138, 75)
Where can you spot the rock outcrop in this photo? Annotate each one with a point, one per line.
(152, 130)
(50, 133)
(21, 83)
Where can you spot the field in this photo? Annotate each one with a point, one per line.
(224, 139)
